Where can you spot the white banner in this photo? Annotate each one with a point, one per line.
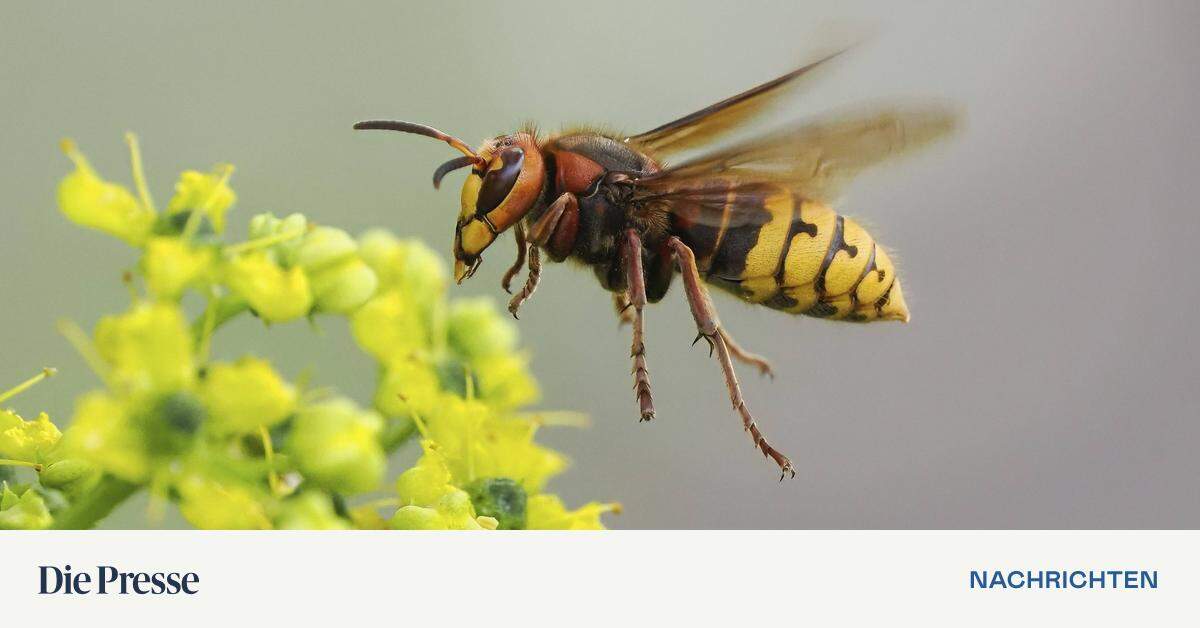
(775, 578)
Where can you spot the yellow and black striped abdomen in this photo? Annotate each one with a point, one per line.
(797, 256)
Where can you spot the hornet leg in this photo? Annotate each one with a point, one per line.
(541, 230)
(531, 281)
(637, 299)
(745, 357)
(522, 246)
(710, 329)
(542, 235)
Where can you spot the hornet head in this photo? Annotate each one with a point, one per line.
(507, 175)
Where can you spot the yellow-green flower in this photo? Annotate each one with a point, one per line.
(495, 465)
(102, 433)
(335, 444)
(309, 510)
(408, 387)
(207, 193)
(171, 265)
(213, 505)
(546, 512)
(149, 348)
(504, 381)
(390, 327)
(452, 512)
(477, 444)
(405, 265)
(204, 434)
(26, 440)
(275, 293)
(430, 502)
(246, 395)
(92, 202)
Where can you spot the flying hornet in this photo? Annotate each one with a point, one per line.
(751, 217)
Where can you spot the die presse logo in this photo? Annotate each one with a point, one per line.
(108, 580)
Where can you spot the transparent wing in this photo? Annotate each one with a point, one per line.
(814, 160)
(711, 122)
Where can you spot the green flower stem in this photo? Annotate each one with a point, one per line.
(396, 433)
(263, 242)
(218, 313)
(84, 513)
(5, 462)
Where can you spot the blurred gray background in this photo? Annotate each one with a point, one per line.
(1047, 380)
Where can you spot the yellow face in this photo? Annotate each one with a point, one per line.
(496, 197)
(471, 235)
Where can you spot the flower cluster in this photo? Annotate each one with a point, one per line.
(236, 444)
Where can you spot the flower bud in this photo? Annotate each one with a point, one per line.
(72, 476)
(477, 330)
(344, 286)
(457, 511)
(267, 224)
(336, 446)
(65, 472)
(263, 225)
(245, 395)
(310, 510)
(276, 294)
(417, 518)
(340, 280)
(452, 511)
(324, 246)
(427, 481)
